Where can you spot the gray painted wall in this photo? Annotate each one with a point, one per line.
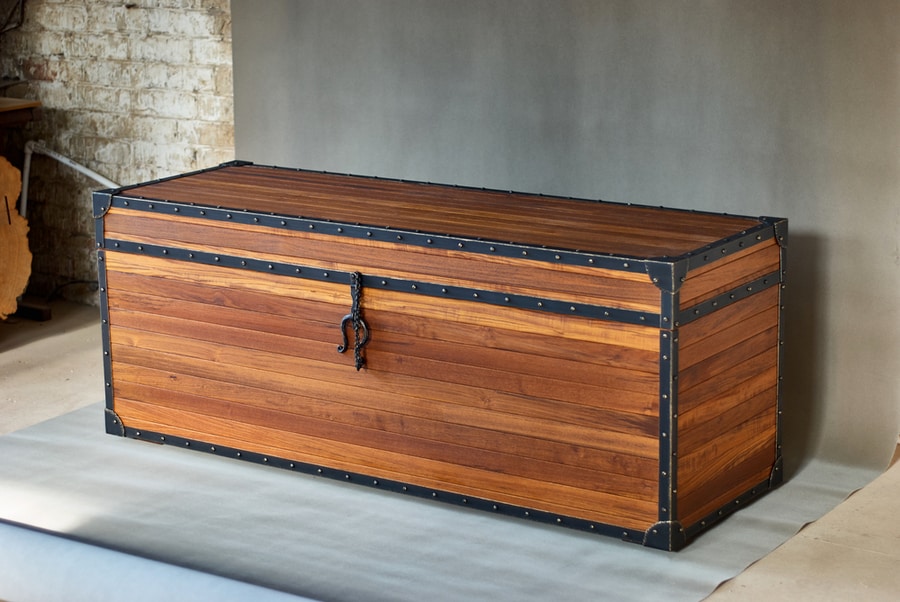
(762, 108)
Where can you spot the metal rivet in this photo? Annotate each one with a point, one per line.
(312, 226)
(283, 223)
(202, 212)
(625, 264)
(346, 476)
(493, 249)
(238, 454)
(460, 245)
(524, 252)
(177, 209)
(443, 290)
(150, 206)
(340, 230)
(591, 260)
(558, 521)
(324, 274)
(271, 267)
(506, 299)
(187, 443)
(213, 448)
(414, 287)
(375, 482)
(495, 507)
(126, 204)
(243, 262)
(227, 216)
(475, 295)
(557, 257)
(665, 474)
(140, 247)
(571, 308)
(256, 220)
(190, 255)
(217, 258)
(136, 434)
(434, 494)
(429, 241)
(399, 237)
(540, 304)
(265, 459)
(368, 234)
(319, 470)
(465, 500)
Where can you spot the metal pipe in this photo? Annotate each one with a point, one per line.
(37, 146)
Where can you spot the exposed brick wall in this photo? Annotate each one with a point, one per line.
(133, 90)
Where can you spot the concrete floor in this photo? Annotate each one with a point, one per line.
(36, 355)
(853, 551)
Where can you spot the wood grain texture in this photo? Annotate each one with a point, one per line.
(727, 400)
(729, 272)
(571, 283)
(253, 351)
(491, 215)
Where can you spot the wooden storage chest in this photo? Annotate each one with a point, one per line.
(607, 367)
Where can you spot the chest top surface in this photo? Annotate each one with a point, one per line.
(508, 217)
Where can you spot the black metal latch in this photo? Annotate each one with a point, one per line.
(354, 318)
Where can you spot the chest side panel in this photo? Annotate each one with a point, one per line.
(728, 404)
(555, 413)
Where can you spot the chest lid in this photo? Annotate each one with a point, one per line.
(523, 220)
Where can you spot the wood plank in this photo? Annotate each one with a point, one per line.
(458, 404)
(575, 284)
(509, 217)
(271, 313)
(727, 337)
(308, 337)
(764, 343)
(699, 331)
(381, 366)
(718, 457)
(158, 386)
(698, 428)
(392, 465)
(755, 468)
(467, 312)
(741, 381)
(478, 448)
(730, 272)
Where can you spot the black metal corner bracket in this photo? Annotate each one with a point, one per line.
(666, 535)
(114, 424)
